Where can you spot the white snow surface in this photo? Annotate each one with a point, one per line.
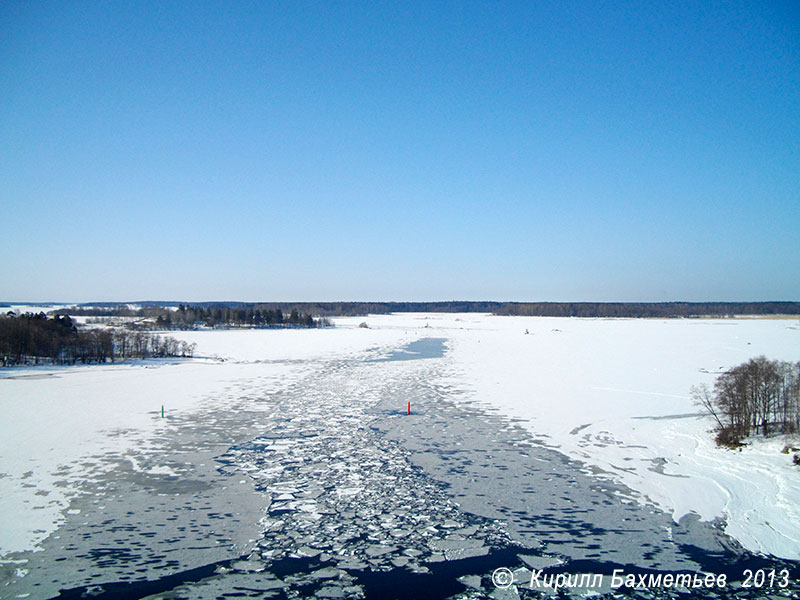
(611, 393)
(55, 422)
(614, 394)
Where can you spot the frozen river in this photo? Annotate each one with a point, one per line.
(297, 475)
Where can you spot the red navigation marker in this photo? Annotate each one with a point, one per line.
(409, 408)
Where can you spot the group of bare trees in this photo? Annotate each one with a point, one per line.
(140, 344)
(758, 397)
(189, 316)
(35, 338)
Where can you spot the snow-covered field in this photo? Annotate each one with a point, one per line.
(613, 394)
(56, 422)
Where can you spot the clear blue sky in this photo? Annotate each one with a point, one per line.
(400, 150)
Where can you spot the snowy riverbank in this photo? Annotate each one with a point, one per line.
(613, 394)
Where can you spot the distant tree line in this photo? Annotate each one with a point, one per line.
(35, 338)
(666, 310)
(758, 397)
(191, 316)
(538, 309)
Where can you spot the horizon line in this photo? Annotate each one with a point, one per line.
(121, 302)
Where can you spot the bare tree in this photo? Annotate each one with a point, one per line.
(703, 398)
